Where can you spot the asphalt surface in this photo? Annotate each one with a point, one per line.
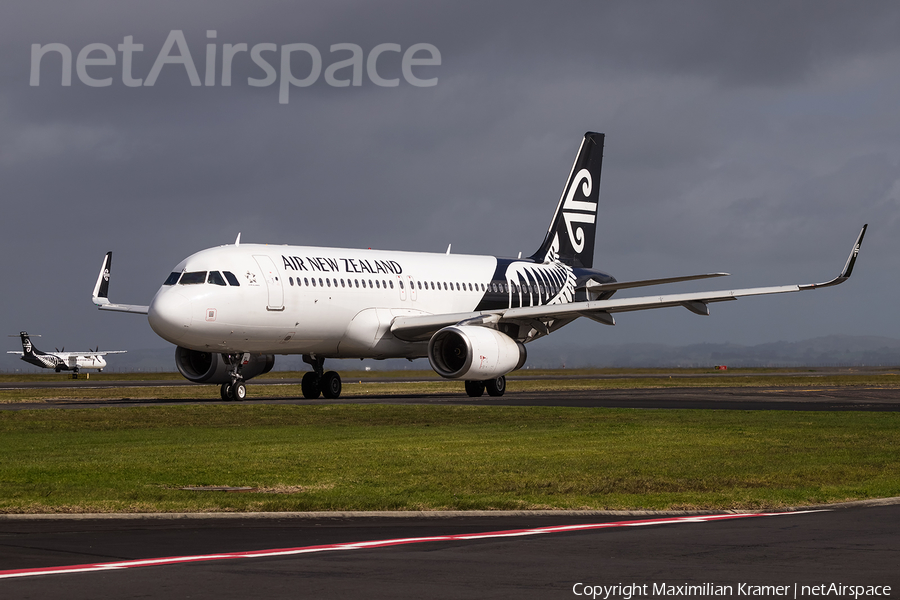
(847, 546)
(750, 398)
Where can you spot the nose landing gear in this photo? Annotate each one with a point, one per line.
(231, 392)
(235, 389)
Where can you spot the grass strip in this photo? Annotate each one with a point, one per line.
(379, 457)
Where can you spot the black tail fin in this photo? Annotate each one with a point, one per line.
(574, 226)
(27, 346)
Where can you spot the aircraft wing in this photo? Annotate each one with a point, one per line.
(14, 352)
(102, 353)
(418, 328)
(100, 297)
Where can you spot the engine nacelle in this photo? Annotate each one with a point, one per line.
(474, 353)
(209, 367)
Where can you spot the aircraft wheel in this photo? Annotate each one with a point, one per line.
(225, 392)
(239, 391)
(496, 387)
(310, 386)
(474, 388)
(331, 385)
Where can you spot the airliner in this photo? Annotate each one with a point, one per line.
(229, 310)
(62, 360)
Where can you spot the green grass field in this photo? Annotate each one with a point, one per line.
(380, 457)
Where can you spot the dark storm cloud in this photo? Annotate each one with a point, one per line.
(747, 137)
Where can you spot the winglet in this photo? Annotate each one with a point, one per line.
(100, 296)
(848, 266)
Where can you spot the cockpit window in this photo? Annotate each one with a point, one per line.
(215, 278)
(172, 279)
(194, 277)
(230, 277)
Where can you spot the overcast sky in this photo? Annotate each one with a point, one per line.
(753, 138)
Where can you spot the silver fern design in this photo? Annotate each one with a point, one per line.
(550, 282)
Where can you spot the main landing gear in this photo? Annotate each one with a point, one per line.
(494, 387)
(317, 381)
(234, 389)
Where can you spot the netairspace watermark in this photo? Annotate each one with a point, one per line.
(629, 591)
(346, 65)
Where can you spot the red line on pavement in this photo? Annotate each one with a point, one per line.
(173, 560)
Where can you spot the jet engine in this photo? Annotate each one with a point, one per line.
(474, 353)
(209, 367)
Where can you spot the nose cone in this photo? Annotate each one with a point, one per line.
(170, 315)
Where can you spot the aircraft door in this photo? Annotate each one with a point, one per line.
(402, 286)
(273, 282)
(412, 287)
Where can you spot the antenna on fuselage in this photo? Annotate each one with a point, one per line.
(237, 242)
(448, 248)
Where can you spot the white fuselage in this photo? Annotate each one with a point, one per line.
(329, 301)
(66, 361)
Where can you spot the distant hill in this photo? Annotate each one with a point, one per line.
(833, 350)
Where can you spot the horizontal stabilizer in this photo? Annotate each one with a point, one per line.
(593, 286)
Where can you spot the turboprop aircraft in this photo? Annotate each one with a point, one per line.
(62, 360)
(229, 310)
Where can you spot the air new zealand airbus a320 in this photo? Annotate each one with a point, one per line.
(230, 310)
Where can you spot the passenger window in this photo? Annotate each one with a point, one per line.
(172, 279)
(215, 278)
(376, 284)
(291, 279)
(401, 285)
(342, 283)
(314, 282)
(356, 282)
(364, 283)
(231, 278)
(193, 278)
(392, 284)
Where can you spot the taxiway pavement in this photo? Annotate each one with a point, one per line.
(850, 546)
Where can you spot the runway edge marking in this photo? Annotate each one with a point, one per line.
(173, 560)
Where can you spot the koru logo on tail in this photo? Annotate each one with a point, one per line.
(579, 211)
